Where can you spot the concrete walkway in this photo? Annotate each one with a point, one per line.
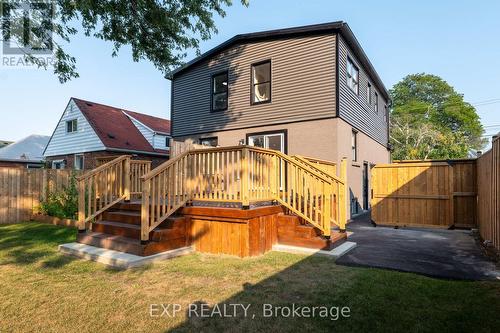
(451, 254)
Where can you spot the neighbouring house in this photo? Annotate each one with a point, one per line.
(90, 133)
(25, 153)
(307, 90)
(4, 143)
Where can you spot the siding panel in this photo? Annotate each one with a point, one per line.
(355, 109)
(84, 140)
(303, 86)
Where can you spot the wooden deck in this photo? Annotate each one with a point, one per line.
(233, 200)
(216, 230)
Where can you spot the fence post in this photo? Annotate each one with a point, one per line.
(452, 197)
(81, 206)
(343, 195)
(244, 178)
(146, 189)
(126, 178)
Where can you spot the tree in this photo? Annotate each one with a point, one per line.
(159, 31)
(430, 120)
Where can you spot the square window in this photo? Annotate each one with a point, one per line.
(261, 83)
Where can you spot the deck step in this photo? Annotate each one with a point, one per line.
(130, 206)
(117, 228)
(124, 216)
(111, 242)
(130, 245)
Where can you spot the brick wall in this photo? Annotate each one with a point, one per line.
(91, 159)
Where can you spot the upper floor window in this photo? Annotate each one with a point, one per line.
(352, 76)
(261, 82)
(71, 126)
(369, 94)
(376, 102)
(219, 91)
(354, 145)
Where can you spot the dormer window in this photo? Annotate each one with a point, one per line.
(71, 126)
(219, 91)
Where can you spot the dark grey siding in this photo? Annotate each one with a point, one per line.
(303, 86)
(355, 108)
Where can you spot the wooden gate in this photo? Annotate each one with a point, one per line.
(425, 193)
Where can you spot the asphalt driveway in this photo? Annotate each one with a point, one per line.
(451, 254)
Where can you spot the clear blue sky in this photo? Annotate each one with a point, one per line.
(457, 40)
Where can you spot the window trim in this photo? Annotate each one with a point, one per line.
(226, 72)
(71, 121)
(216, 138)
(354, 149)
(376, 104)
(270, 82)
(83, 161)
(349, 60)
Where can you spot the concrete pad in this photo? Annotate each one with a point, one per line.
(118, 259)
(449, 254)
(336, 252)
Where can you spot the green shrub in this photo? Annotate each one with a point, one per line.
(63, 203)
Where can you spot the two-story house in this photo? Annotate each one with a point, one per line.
(308, 91)
(89, 134)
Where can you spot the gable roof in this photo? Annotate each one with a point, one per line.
(115, 129)
(29, 149)
(158, 125)
(338, 26)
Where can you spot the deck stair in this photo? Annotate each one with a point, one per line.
(119, 228)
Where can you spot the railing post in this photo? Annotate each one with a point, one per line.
(81, 206)
(126, 178)
(146, 189)
(327, 210)
(273, 175)
(343, 195)
(244, 178)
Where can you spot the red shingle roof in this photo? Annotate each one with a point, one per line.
(156, 124)
(116, 130)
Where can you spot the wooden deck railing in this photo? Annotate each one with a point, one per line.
(138, 168)
(242, 174)
(108, 184)
(101, 188)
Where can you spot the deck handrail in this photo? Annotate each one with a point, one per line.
(306, 161)
(241, 174)
(101, 188)
(102, 167)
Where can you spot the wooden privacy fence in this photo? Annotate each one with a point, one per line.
(21, 190)
(425, 193)
(488, 170)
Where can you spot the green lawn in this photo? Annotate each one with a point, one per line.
(41, 290)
